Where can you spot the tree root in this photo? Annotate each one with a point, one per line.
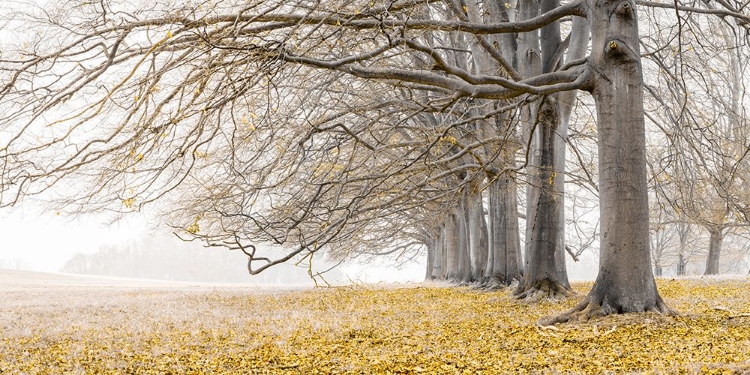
(493, 283)
(540, 290)
(590, 309)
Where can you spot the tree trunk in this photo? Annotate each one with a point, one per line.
(541, 272)
(477, 232)
(545, 274)
(464, 265)
(430, 263)
(444, 251)
(714, 250)
(625, 282)
(504, 264)
(529, 64)
(452, 246)
(683, 230)
(681, 265)
(437, 256)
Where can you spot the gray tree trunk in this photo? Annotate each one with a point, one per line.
(545, 270)
(625, 282)
(541, 274)
(464, 260)
(504, 264)
(683, 231)
(714, 250)
(529, 64)
(443, 254)
(429, 268)
(477, 232)
(681, 265)
(452, 246)
(437, 256)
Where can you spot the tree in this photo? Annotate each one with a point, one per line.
(702, 171)
(293, 122)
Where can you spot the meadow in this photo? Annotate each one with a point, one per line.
(60, 324)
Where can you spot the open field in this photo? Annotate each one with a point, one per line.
(60, 324)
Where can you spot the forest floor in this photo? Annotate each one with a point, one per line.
(66, 325)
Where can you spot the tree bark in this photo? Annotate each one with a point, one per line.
(625, 282)
(436, 269)
(683, 231)
(545, 273)
(578, 48)
(541, 274)
(681, 265)
(444, 251)
(477, 232)
(464, 261)
(430, 263)
(504, 264)
(452, 246)
(714, 250)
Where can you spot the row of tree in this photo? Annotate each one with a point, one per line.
(368, 128)
(163, 258)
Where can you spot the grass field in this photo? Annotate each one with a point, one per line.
(58, 324)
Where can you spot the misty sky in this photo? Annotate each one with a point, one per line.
(43, 241)
(46, 240)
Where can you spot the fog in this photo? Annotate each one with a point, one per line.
(41, 241)
(131, 248)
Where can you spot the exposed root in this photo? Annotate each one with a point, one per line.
(490, 284)
(540, 290)
(590, 309)
(494, 284)
(662, 308)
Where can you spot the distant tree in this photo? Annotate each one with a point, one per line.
(162, 258)
(703, 171)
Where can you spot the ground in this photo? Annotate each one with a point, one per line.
(58, 324)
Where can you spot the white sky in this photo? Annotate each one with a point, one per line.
(44, 241)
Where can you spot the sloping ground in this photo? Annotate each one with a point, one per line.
(431, 329)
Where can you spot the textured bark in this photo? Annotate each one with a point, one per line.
(529, 64)
(430, 263)
(542, 271)
(683, 231)
(545, 246)
(477, 233)
(714, 250)
(504, 264)
(452, 246)
(444, 250)
(464, 261)
(434, 260)
(625, 282)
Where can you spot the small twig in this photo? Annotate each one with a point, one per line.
(572, 255)
(722, 308)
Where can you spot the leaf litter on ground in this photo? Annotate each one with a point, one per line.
(421, 328)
